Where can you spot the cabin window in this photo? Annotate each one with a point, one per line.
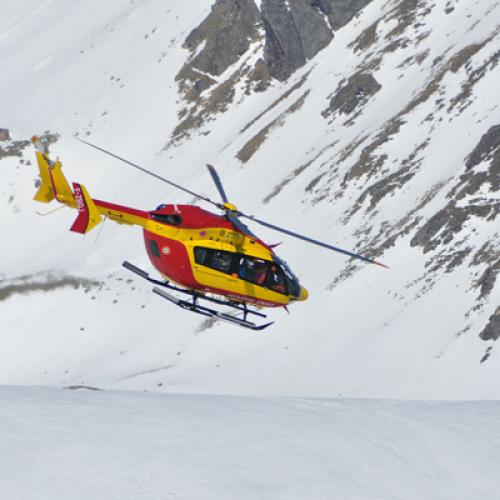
(257, 271)
(216, 259)
(172, 219)
(153, 247)
(222, 261)
(200, 255)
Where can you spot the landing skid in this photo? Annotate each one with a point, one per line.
(194, 306)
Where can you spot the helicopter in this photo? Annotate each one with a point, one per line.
(213, 259)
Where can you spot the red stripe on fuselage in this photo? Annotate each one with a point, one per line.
(249, 299)
(194, 217)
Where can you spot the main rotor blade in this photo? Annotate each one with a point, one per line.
(239, 224)
(313, 241)
(218, 183)
(142, 169)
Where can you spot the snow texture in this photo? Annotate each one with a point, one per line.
(93, 444)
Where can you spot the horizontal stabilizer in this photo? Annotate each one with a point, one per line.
(45, 193)
(53, 184)
(88, 215)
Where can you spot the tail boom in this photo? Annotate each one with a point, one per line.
(54, 186)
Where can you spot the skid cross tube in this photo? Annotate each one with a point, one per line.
(195, 307)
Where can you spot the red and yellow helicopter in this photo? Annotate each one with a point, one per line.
(209, 257)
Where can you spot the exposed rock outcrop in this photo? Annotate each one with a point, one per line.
(285, 34)
(339, 12)
(295, 32)
(488, 146)
(4, 135)
(354, 93)
(222, 40)
(442, 226)
(15, 148)
(227, 33)
(492, 329)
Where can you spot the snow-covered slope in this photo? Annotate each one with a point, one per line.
(124, 446)
(375, 144)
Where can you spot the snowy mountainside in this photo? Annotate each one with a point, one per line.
(383, 139)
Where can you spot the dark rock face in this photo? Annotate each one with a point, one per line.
(443, 225)
(354, 93)
(283, 51)
(294, 33)
(15, 148)
(487, 280)
(492, 329)
(339, 12)
(313, 31)
(488, 146)
(227, 32)
(4, 134)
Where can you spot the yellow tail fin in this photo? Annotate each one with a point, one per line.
(53, 184)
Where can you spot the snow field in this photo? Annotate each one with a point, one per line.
(57, 444)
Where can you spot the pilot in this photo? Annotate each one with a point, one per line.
(276, 281)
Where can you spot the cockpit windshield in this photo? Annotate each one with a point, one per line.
(292, 280)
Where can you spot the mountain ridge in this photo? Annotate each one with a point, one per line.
(385, 141)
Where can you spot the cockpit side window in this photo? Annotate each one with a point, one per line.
(292, 282)
(276, 280)
(253, 270)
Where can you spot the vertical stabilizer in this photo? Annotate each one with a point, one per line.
(53, 184)
(88, 215)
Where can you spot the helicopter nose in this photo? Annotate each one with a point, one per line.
(303, 293)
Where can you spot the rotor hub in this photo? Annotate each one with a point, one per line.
(230, 207)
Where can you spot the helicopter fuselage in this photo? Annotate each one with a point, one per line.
(203, 251)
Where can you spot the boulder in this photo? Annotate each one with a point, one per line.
(4, 135)
(354, 93)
